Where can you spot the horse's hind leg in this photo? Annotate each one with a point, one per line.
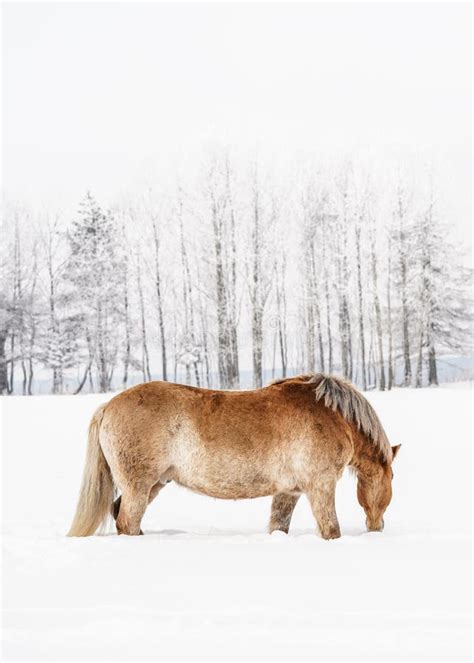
(132, 506)
(283, 506)
(322, 497)
(115, 508)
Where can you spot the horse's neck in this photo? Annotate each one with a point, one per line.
(366, 459)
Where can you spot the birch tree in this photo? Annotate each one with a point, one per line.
(263, 215)
(403, 250)
(342, 272)
(159, 294)
(360, 301)
(377, 309)
(223, 265)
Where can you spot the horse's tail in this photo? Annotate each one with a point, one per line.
(97, 490)
(337, 393)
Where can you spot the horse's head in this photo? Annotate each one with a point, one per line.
(374, 492)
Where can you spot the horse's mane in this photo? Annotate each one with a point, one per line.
(341, 394)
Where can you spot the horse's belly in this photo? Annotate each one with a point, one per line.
(227, 491)
(228, 473)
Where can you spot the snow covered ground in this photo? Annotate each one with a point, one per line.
(208, 583)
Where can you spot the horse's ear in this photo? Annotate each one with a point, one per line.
(395, 450)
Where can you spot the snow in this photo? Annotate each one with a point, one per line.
(208, 583)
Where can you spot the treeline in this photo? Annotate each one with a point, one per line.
(336, 269)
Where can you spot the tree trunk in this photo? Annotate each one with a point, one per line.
(145, 356)
(205, 345)
(280, 270)
(11, 381)
(378, 318)
(189, 329)
(389, 321)
(232, 291)
(328, 326)
(126, 315)
(432, 367)
(223, 348)
(161, 320)
(30, 362)
(256, 296)
(53, 324)
(87, 373)
(419, 364)
(101, 352)
(345, 305)
(342, 280)
(3, 363)
(310, 362)
(404, 295)
(324, 240)
(361, 311)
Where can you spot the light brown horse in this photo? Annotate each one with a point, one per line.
(295, 436)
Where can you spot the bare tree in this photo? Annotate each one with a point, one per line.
(258, 274)
(145, 363)
(326, 220)
(342, 272)
(223, 266)
(313, 205)
(390, 381)
(127, 353)
(369, 300)
(50, 240)
(159, 296)
(190, 351)
(360, 304)
(281, 327)
(232, 314)
(378, 311)
(403, 256)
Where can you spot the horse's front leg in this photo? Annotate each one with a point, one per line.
(322, 497)
(283, 506)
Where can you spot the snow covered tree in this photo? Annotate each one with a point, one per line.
(93, 270)
(219, 195)
(159, 289)
(314, 208)
(5, 325)
(377, 308)
(402, 244)
(259, 262)
(442, 292)
(340, 246)
(313, 269)
(19, 304)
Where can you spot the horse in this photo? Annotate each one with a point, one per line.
(295, 436)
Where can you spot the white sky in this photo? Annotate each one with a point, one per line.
(98, 95)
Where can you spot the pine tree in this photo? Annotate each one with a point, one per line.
(442, 292)
(94, 271)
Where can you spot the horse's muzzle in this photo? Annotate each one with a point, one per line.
(372, 527)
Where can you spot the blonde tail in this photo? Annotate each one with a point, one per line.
(97, 490)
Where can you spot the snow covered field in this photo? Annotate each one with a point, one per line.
(208, 583)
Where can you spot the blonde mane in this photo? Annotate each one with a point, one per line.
(342, 395)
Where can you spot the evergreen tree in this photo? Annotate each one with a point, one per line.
(94, 272)
(442, 295)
